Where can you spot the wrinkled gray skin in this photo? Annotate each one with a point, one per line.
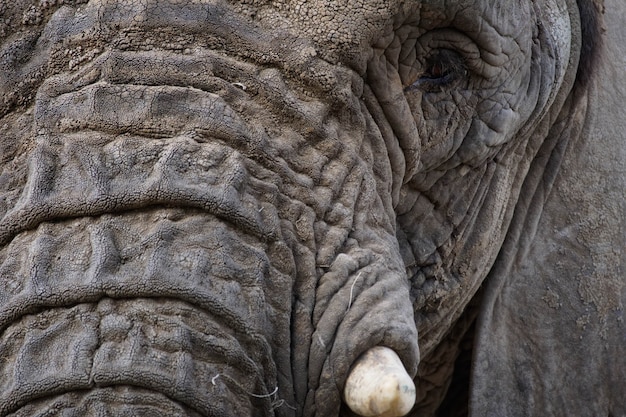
(215, 208)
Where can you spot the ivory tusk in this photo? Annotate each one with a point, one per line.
(379, 386)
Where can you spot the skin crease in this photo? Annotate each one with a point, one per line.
(215, 208)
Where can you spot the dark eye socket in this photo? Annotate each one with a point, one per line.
(442, 69)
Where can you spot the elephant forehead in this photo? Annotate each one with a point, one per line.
(340, 22)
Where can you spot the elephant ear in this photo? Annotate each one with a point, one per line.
(550, 338)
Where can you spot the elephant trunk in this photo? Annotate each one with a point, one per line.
(197, 230)
(142, 310)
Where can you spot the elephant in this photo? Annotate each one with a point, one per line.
(312, 208)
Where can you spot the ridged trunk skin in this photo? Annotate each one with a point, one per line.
(185, 230)
(147, 300)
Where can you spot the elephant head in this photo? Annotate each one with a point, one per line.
(273, 207)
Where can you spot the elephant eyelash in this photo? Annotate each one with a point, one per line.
(442, 70)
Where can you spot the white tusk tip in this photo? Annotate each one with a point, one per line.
(379, 386)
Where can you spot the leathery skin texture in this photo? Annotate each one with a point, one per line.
(214, 208)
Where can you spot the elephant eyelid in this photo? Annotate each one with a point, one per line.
(442, 70)
(428, 80)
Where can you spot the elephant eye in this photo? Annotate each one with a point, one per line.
(441, 70)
